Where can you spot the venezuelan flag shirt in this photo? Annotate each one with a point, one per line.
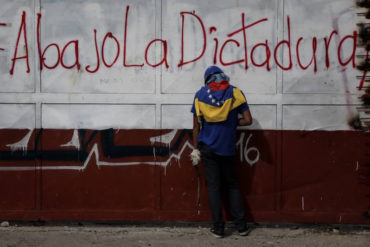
(219, 113)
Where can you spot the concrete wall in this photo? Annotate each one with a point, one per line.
(95, 102)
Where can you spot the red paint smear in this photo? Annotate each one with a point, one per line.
(211, 30)
(364, 73)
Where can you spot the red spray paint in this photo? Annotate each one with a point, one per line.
(222, 49)
(268, 55)
(109, 35)
(87, 68)
(125, 43)
(182, 62)
(352, 57)
(243, 30)
(22, 29)
(211, 30)
(42, 58)
(327, 44)
(288, 43)
(164, 59)
(76, 52)
(218, 54)
(313, 59)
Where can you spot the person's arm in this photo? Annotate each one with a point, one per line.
(196, 128)
(246, 119)
(195, 154)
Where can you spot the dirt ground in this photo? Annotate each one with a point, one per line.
(80, 235)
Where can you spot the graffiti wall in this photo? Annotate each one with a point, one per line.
(95, 102)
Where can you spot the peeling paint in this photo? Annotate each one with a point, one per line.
(165, 139)
(74, 142)
(22, 144)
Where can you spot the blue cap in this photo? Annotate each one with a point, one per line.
(211, 70)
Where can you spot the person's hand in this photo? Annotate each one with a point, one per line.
(195, 157)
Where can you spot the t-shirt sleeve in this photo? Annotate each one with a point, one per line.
(243, 107)
(193, 106)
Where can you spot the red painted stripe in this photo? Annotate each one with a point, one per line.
(284, 176)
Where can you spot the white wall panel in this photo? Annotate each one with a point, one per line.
(179, 116)
(11, 19)
(315, 117)
(83, 116)
(68, 20)
(147, 97)
(318, 19)
(176, 117)
(17, 116)
(226, 17)
(264, 117)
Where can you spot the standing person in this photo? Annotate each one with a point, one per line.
(216, 110)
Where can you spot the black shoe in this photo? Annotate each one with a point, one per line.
(217, 233)
(244, 231)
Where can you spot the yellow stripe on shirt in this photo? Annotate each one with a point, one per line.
(219, 113)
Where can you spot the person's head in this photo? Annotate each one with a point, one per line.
(214, 74)
(211, 71)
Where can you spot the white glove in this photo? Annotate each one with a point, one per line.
(195, 157)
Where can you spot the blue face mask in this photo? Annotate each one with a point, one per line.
(217, 78)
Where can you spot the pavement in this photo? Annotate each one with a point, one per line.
(73, 235)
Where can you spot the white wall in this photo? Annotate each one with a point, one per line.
(147, 97)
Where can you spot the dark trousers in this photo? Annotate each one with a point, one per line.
(220, 172)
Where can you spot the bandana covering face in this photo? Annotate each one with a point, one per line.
(217, 77)
(215, 100)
